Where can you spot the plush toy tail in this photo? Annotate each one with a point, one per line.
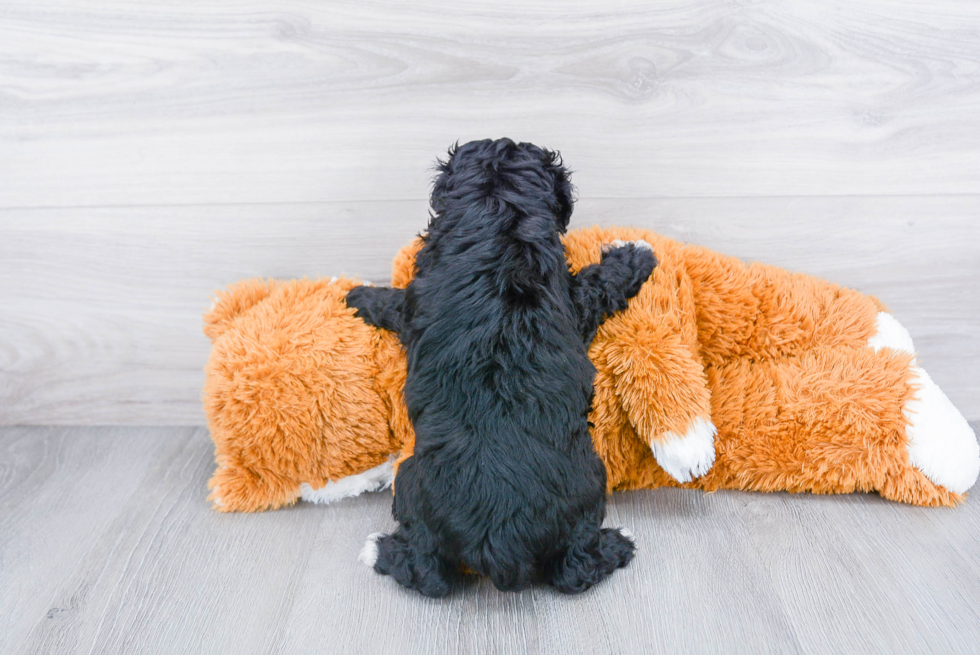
(590, 559)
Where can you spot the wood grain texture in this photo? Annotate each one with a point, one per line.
(193, 102)
(107, 545)
(101, 308)
(149, 155)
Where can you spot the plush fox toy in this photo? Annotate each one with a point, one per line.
(719, 375)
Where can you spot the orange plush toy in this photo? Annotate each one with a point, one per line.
(719, 375)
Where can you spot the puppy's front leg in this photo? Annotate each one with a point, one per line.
(602, 289)
(381, 307)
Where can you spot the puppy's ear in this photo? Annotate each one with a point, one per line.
(440, 185)
(563, 189)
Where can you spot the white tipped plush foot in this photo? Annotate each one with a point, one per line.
(689, 455)
(374, 479)
(216, 502)
(369, 553)
(626, 532)
(891, 334)
(639, 243)
(941, 442)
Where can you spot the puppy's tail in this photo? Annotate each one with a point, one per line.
(594, 556)
(397, 556)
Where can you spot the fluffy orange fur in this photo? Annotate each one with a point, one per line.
(299, 390)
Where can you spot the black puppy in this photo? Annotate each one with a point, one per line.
(504, 479)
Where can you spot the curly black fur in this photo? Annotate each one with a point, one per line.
(504, 479)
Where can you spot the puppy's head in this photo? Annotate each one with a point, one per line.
(506, 182)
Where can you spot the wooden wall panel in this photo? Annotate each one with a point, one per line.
(101, 310)
(152, 153)
(121, 103)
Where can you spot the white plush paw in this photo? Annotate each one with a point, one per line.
(639, 243)
(891, 334)
(689, 455)
(369, 553)
(941, 443)
(373, 479)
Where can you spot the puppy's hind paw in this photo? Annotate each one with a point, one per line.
(369, 552)
(690, 455)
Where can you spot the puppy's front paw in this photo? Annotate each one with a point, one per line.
(639, 243)
(358, 298)
(689, 455)
(636, 257)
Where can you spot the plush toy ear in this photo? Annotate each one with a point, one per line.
(233, 302)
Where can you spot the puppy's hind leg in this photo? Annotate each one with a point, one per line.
(410, 557)
(593, 555)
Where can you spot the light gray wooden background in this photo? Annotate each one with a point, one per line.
(151, 153)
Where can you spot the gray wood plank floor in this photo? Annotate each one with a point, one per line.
(107, 545)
